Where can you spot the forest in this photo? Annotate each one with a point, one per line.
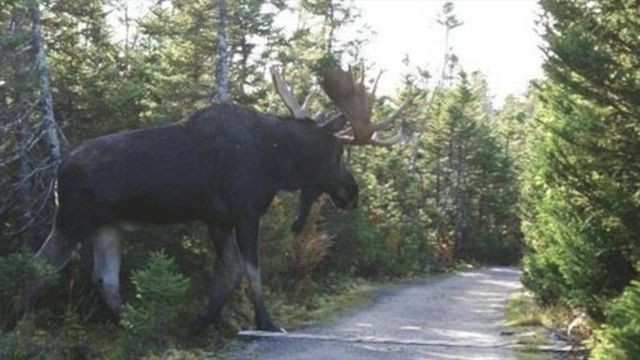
(548, 181)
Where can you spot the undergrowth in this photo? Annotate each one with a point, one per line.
(531, 323)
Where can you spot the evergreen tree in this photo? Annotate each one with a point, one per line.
(473, 180)
(178, 57)
(94, 89)
(581, 180)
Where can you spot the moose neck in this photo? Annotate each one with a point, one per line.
(302, 152)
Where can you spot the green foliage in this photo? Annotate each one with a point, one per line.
(619, 337)
(580, 180)
(470, 177)
(16, 272)
(448, 194)
(19, 343)
(98, 96)
(28, 340)
(153, 315)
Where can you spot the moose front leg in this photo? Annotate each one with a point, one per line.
(307, 198)
(247, 236)
(227, 275)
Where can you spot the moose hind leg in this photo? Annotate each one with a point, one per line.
(227, 275)
(106, 266)
(247, 236)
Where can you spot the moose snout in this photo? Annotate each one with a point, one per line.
(343, 201)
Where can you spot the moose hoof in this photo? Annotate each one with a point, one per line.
(271, 327)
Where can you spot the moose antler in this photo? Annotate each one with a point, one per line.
(356, 104)
(298, 111)
(353, 101)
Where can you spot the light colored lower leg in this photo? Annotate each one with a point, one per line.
(254, 279)
(262, 316)
(106, 265)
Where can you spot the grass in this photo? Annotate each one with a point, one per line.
(322, 306)
(530, 323)
(523, 311)
(532, 356)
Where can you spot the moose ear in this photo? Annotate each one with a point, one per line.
(334, 125)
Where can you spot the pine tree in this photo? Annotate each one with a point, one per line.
(472, 179)
(581, 181)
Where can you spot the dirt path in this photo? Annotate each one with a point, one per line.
(459, 317)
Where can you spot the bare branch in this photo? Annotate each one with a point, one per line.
(375, 84)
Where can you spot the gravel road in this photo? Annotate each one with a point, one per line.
(457, 317)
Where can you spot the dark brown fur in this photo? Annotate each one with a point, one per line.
(222, 166)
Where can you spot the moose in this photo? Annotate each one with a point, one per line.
(222, 166)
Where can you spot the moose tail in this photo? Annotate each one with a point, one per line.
(57, 249)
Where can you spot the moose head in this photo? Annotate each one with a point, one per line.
(355, 106)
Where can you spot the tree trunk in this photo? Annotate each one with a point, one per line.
(48, 119)
(222, 64)
(460, 235)
(22, 134)
(438, 175)
(25, 188)
(332, 28)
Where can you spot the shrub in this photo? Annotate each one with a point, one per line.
(619, 337)
(309, 250)
(19, 344)
(15, 271)
(152, 317)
